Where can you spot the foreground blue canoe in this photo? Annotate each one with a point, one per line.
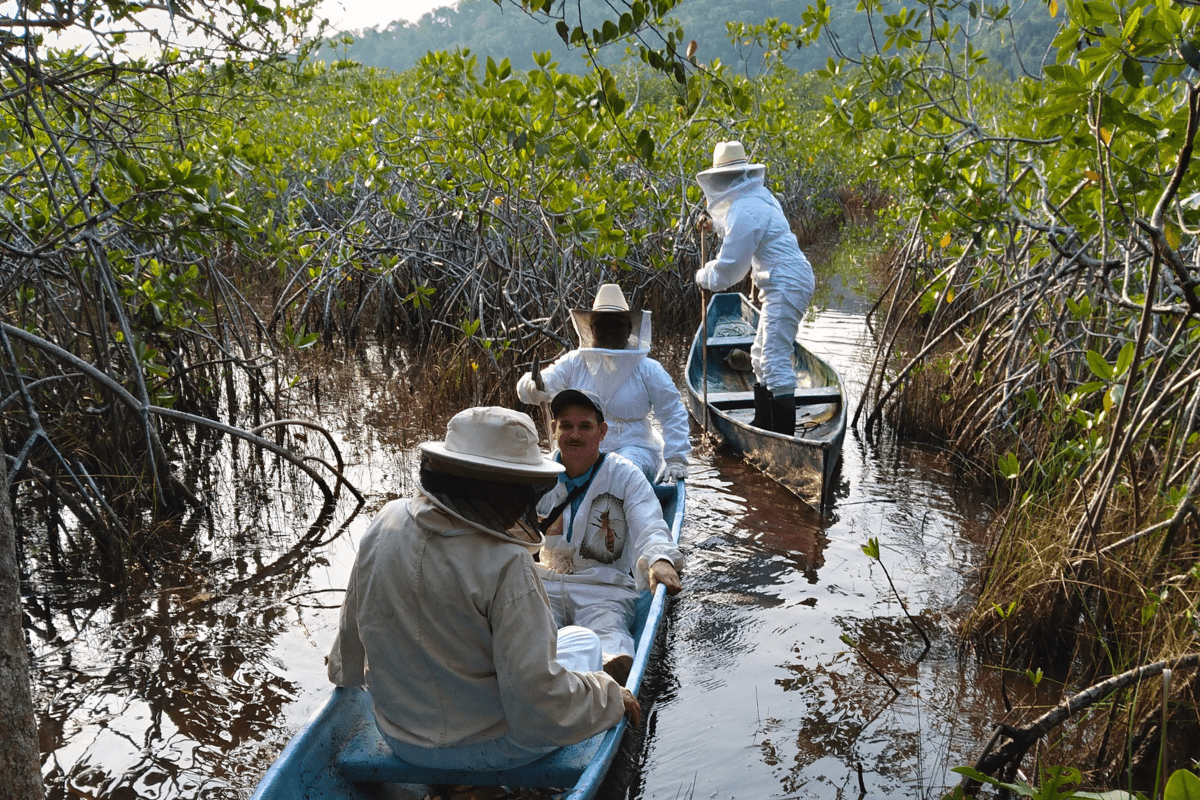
(804, 463)
(339, 754)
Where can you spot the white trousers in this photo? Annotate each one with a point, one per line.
(578, 650)
(771, 353)
(647, 460)
(607, 610)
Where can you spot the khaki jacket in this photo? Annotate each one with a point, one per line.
(449, 628)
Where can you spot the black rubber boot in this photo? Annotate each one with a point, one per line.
(762, 407)
(783, 414)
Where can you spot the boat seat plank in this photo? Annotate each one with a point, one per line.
(818, 394)
(729, 401)
(367, 758)
(730, 341)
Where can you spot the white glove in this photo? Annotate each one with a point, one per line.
(675, 469)
(704, 275)
(534, 394)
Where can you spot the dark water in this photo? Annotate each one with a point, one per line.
(190, 688)
(759, 695)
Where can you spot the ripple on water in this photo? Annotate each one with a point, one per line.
(768, 699)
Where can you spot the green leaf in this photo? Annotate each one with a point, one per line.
(645, 145)
(1099, 367)
(1182, 785)
(1005, 612)
(1125, 358)
(974, 774)
(1113, 396)
(1190, 54)
(1131, 70)
(871, 548)
(741, 99)
(1009, 466)
(1081, 309)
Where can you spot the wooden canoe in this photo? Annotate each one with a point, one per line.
(804, 463)
(339, 755)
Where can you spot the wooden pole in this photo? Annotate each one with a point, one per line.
(704, 329)
(536, 372)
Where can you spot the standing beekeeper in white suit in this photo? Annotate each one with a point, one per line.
(613, 361)
(755, 236)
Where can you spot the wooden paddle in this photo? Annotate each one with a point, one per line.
(704, 326)
(536, 372)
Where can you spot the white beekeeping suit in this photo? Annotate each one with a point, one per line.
(756, 238)
(635, 390)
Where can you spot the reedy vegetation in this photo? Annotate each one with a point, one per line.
(111, 207)
(175, 232)
(1044, 295)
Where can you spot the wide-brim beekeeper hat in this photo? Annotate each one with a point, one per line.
(730, 157)
(609, 300)
(495, 444)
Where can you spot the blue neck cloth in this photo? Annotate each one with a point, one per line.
(571, 484)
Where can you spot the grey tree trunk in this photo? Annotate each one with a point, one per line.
(20, 764)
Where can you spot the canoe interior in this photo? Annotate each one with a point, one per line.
(804, 463)
(339, 754)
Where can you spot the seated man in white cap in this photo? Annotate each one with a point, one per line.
(606, 539)
(447, 623)
(756, 238)
(613, 361)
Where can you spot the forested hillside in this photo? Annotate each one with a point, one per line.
(505, 31)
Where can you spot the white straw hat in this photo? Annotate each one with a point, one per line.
(730, 157)
(494, 443)
(609, 300)
(609, 297)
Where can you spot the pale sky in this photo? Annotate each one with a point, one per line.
(350, 15)
(343, 15)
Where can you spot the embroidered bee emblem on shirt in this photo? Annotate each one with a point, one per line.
(607, 531)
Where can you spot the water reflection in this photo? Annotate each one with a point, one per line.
(765, 699)
(176, 686)
(150, 705)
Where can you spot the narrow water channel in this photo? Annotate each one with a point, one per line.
(760, 695)
(777, 670)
